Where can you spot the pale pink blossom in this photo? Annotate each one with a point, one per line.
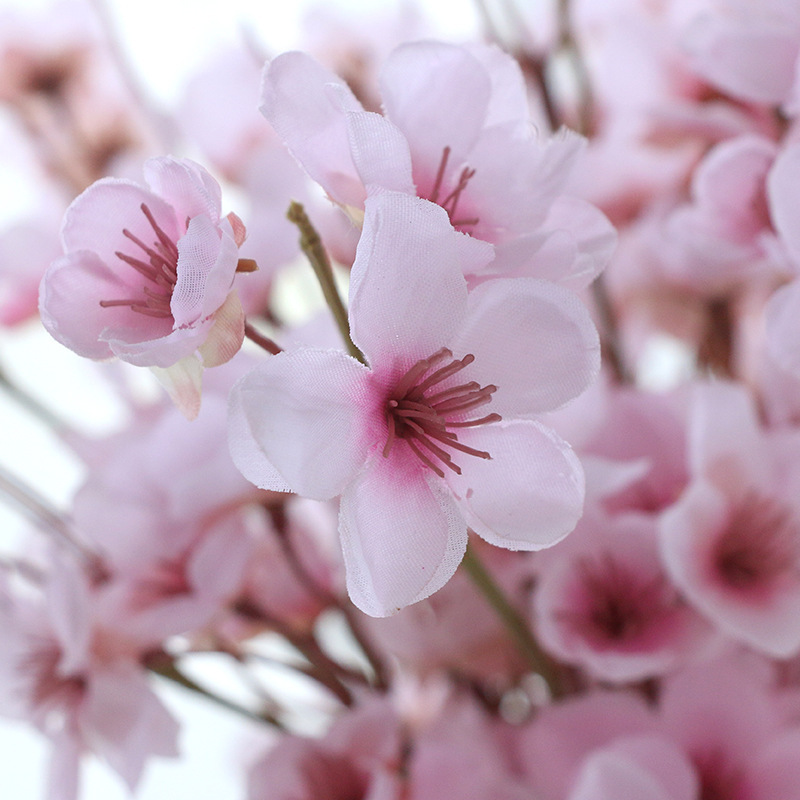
(162, 508)
(59, 673)
(727, 229)
(322, 424)
(748, 50)
(456, 131)
(358, 757)
(604, 602)
(731, 543)
(556, 745)
(147, 275)
(730, 719)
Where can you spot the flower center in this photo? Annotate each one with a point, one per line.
(450, 202)
(424, 416)
(159, 266)
(759, 545)
(622, 604)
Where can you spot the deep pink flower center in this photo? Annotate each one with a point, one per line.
(158, 265)
(621, 603)
(759, 545)
(424, 414)
(719, 780)
(450, 201)
(51, 692)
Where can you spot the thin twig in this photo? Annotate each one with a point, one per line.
(164, 665)
(45, 517)
(262, 341)
(311, 245)
(516, 626)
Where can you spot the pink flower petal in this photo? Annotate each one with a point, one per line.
(186, 186)
(128, 344)
(206, 268)
(226, 335)
(305, 418)
(529, 494)
(407, 293)
(126, 722)
(84, 279)
(95, 221)
(783, 191)
(305, 104)
(533, 340)
(751, 59)
(380, 152)
(762, 611)
(420, 79)
(402, 536)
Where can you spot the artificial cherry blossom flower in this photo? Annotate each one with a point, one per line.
(146, 276)
(456, 131)
(405, 440)
(604, 602)
(731, 543)
(74, 680)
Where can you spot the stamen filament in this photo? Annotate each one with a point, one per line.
(425, 423)
(440, 175)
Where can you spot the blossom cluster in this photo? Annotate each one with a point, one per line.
(518, 505)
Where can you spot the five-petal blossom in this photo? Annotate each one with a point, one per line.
(147, 275)
(407, 441)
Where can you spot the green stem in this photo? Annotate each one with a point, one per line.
(311, 245)
(571, 48)
(163, 665)
(516, 626)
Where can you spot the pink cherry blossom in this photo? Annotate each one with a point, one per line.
(604, 602)
(59, 673)
(456, 131)
(147, 274)
(404, 440)
(730, 719)
(356, 758)
(732, 541)
(749, 51)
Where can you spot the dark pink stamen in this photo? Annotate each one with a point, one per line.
(159, 266)
(423, 420)
(450, 202)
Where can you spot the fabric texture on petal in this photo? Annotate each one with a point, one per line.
(188, 188)
(418, 80)
(307, 414)
(532, 339)
(407, 293)
(402, 536)
(306, 103)
(529, 494)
